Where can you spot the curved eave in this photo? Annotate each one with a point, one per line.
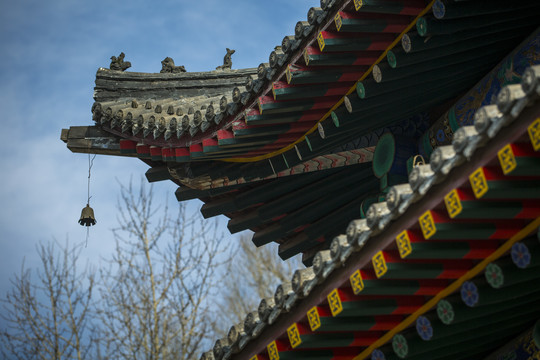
(308, 93)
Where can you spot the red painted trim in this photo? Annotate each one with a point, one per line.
(481, 249)
(180, 152)
(195, 148)
(431, 287)
(128, 145)
(168, 154)
(210, 142)
(531, 210)
(143, 149)
(225, 134)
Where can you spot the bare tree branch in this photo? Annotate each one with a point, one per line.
(155, 291)
(47, 316)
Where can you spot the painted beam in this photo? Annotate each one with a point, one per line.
(267, 104)
(343, 302)
(398, 57)
(299, 75)
(254, 117)
(519, 159)
(411, 245)
(490, 183)
(436, 225)
(413, 7)
(430, 26)
(413, 42)
(462, 204)
(242, 130)
(283, 91)
(370, 23)
(320, 319)
(315, 57)
(336, 41)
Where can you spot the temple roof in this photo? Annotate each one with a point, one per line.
(351, 73)
(321, 150)
(350, 60)
(444, 268)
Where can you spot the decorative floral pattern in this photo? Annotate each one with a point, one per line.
(469, 293)
(438, 9)
(521, 255)
(377, 355)
(399, 344)
(424, 328)
(494, 276)
(445, 311)
(440, 136)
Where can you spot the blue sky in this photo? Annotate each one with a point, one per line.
(50, 53)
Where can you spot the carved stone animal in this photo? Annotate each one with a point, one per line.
(118, 63)
(227, 61)
(167, 66)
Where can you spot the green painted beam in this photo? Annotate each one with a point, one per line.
(335, 41)
(370, 88)
(314, 57)
(370, 23)
(402, 287)
(439, 250)
(474, 209)
(412, 42)
(284, 91)
(410, 7)
(294, 200)
(430, 26)
(398, 57)
(461, 59)
(504, 189)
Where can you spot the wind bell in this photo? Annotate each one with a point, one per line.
(87, 214)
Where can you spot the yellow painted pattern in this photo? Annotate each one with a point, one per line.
(288, 74)
(404, 244)
(306, 57)
(427, 225)
(294, 335)
(351, 90)
(478, 182)
(507, 159)
(453, 204)
(334, 301)
(320, 40)
(379, 264)
(337, 20)
(534, 134)
(358, 4)
(273, 352)
(255, 357)
(314, 319)
(450, 289)
(357, 283)
(260, 105)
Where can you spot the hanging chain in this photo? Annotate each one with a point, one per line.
(90, 164)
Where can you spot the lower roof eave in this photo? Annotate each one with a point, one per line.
(340, 275)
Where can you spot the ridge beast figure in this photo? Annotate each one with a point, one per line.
(167, 66)
(227, 61)
(118, 63)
